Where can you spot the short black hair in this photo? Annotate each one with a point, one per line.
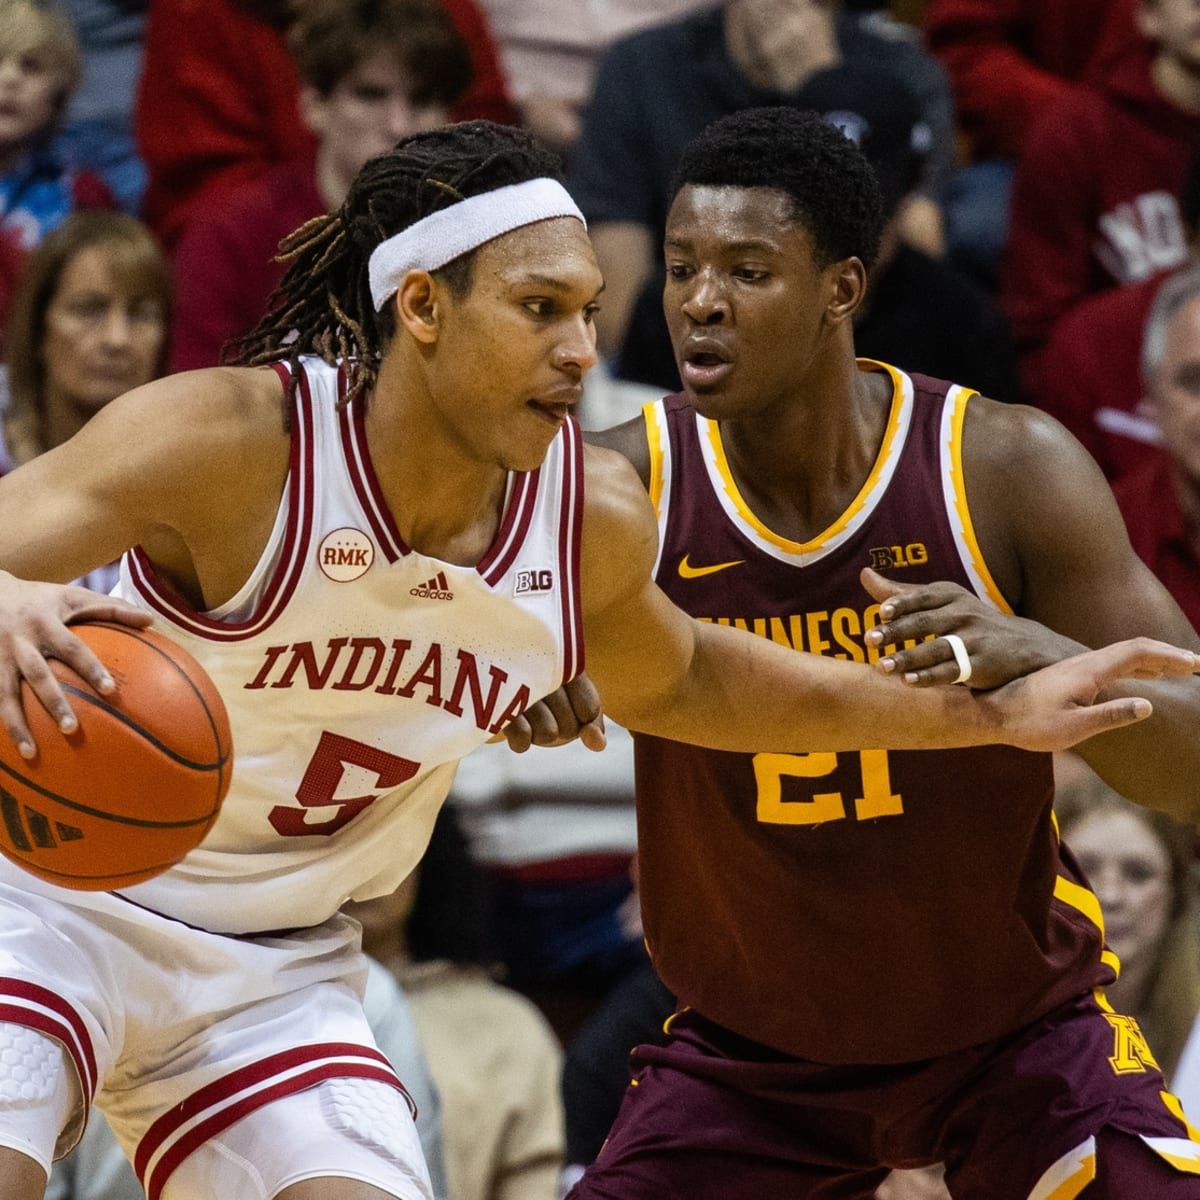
(323, 304)
(834, 193)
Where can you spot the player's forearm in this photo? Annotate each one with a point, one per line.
(745, 694)
(1157, 762)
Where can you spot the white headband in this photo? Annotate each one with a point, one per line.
(442, 236)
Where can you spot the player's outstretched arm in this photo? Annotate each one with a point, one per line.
(1057, 546)
(662, 673)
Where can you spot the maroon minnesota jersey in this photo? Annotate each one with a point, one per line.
(880, 906)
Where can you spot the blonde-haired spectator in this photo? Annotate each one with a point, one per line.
(38, 42)
(39, 69)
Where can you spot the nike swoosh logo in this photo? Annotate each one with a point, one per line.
(687, 571)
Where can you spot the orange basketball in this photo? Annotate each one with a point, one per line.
(138, 784)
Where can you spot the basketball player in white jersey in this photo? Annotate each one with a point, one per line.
(383, 547)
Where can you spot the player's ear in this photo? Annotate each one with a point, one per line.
(418, 306)
(848, 286)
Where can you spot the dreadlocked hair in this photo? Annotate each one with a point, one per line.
(323, 304)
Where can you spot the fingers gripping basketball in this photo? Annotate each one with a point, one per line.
(138, 784)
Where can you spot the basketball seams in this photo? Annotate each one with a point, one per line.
(223, 753)
(103, 814)
(136, 634)
(152, 746)
(126, 720)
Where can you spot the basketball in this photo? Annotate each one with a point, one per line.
(136, 786)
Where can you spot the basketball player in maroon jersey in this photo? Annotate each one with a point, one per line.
(456, 288)
(882, 959)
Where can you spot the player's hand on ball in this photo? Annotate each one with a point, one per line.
(573, 711)
(1061, 705)
(1001, 647)
(34, 627)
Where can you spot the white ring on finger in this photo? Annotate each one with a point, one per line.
(961, 657)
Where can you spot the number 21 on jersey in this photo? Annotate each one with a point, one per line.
(877, 799)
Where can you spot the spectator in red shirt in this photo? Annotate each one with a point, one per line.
(1161, 502)
(369, 76)
(217, 104)
(1094, 203)
(1091, 377)
(1008, 61)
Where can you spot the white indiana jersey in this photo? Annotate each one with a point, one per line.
(357, 671)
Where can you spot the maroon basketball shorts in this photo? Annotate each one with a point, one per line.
(1071, 1105)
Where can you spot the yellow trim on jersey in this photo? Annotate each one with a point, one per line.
(1079, 898)
(1066, 1178)
(1182, 1154)
(656, 434)
(856, 505)
(1073, 1185)
(1088, 906)
(958, 479)
(677, 1013)
(1175, 1108)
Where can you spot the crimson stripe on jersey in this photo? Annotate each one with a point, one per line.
(569, 525)
(256, 1073)
(513, 528)
(219, 1122)
(165, 600)
(366, 482)
(77, 1040)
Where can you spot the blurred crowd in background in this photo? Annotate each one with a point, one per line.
(1039, 163)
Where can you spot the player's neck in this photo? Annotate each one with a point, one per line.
(446, 502)
(800, 462)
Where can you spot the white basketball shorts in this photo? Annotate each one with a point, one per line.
(180, 1035)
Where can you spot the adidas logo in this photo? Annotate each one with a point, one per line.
(40, 830)
(433, 589)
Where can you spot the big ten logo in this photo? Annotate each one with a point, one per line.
(532, 582)
(884, 558)
(345, 555)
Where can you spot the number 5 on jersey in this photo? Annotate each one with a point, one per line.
(877, 799)
(338, 766)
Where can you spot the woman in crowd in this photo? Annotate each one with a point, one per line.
(88, 322)
(1140, 864)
